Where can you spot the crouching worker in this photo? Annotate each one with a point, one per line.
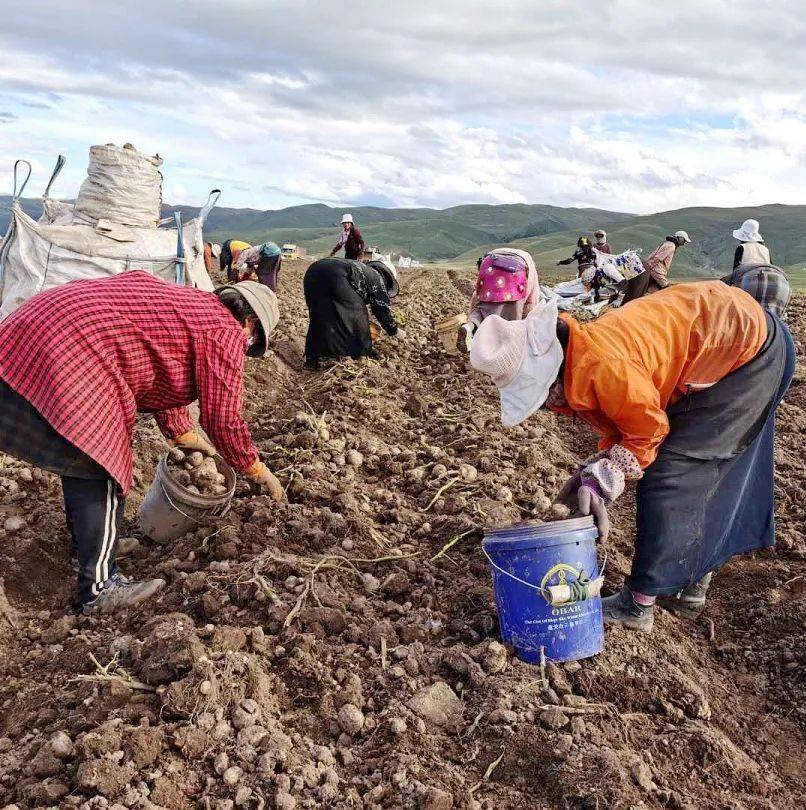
(228, 257)
(657, 266)
(261, 263)
(337, 292)
(682, 388)
(506, 286)
(76, 365)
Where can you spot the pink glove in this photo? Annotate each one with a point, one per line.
(591, 502)
(568, 493)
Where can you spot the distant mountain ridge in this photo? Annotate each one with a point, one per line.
(460, 233)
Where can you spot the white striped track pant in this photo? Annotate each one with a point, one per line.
(94, 510)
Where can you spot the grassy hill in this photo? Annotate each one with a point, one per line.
(461, 233)
(425, 234)
(711, 251)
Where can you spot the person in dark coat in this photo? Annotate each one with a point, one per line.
(350, 239)
(584, 256)
(337, 292)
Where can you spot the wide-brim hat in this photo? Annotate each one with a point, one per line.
(522, 358)
(749, 232)
(263, 302)
(388, 271)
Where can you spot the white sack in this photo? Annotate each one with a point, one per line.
(38, 256)
(122, 186)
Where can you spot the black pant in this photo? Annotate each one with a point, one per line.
(225, 261)
(94, 510)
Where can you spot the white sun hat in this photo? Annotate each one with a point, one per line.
(522, 358)
(748, 232)
(347, 218)
(682, 235)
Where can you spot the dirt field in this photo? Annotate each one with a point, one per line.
(332, 652)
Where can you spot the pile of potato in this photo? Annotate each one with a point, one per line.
(196, 472)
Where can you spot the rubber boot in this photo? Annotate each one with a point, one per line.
(690, 602)
(621, 608)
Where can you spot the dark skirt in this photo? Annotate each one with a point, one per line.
(704, 501)
(28, 436)
(268, 271)
(338, 319)
(639, 286)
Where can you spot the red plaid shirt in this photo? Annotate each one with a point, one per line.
(90, 354)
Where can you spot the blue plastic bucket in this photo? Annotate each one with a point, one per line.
(528, 557)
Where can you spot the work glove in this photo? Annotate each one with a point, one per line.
(193, 441)
(568, 493)
(261, 475)
(590, 502)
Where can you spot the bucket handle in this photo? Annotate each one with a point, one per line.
(212, 513)
(578, 593)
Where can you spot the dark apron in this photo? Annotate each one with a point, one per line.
(709, 494)
(27, 435)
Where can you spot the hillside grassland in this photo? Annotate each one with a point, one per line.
(461, 233)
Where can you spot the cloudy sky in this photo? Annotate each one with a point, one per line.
(628, 105)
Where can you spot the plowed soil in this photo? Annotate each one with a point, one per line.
(341, 649)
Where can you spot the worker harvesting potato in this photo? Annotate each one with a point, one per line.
(78, 362)
(682, 388)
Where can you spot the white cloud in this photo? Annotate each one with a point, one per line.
(614, 104)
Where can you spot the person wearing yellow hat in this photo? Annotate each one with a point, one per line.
(230, 253)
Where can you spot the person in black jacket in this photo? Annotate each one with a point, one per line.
(337, 292)
(584, 255)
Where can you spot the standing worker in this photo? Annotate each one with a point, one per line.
(600, 242)
(681, 387)
(261, 262)
(78, 362)
(350, 239)
(657, 264)
(230, 253)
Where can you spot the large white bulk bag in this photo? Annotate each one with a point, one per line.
(40, 255)
(123, 186)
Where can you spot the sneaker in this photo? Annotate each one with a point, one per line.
(120, 592)
(464, 338)
(621, 608)
(690, 602)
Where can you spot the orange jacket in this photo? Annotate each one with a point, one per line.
(623, 370)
